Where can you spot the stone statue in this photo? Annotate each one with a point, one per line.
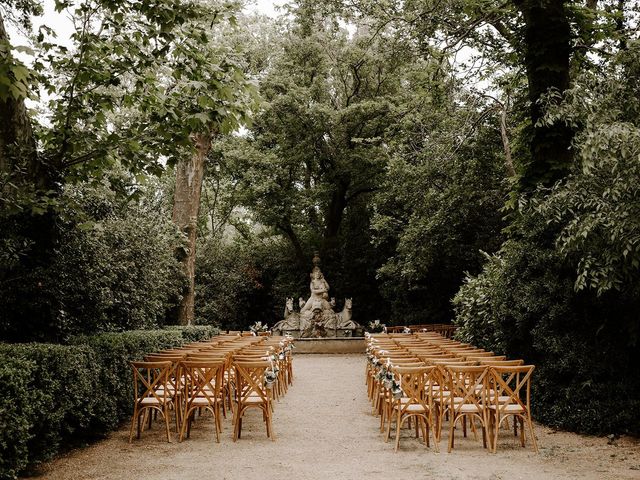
(344, 317)
(319, 293)
(291, 320)
(317, 317)
(288, 308)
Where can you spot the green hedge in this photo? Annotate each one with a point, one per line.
(57, 396)
(196, 333)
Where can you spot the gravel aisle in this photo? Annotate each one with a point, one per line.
(324, 430)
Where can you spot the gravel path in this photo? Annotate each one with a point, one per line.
(324, 430)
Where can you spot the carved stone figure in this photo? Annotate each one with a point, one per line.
(344, 317)
(291, 322)
(288, 308)
(319, 293)
(317, 317)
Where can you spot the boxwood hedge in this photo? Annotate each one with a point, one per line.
(60, 396)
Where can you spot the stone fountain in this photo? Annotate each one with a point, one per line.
(316, 318)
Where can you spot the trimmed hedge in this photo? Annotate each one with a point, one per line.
(195, 333)
(59, 396)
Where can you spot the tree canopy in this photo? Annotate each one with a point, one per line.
(465, 161)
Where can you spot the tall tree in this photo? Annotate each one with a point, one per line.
(547, 45)
(139, 79)
(220, 100)
(318, 146)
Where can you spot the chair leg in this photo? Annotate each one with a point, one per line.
(431, 427)
(496, 432)
(166, 421)
(215, 423)
(270, 425)
(141, 423)
(534, 442)
(386, 439)
(452, 428)
(398, 424)
(236, 422)
(133, 422)
(424, 427)
(183, 427)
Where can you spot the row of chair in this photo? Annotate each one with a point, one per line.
(227, 373)
(444, 329)
(427, 379)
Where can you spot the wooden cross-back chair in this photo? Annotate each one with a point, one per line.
(225, 359)
(173, 384)
(287, 361)
(150, 380)
(510, 388)
(380, 394)
(251, 392)
(279, 388)
(202, 390)
(467, 398)
(416, 403)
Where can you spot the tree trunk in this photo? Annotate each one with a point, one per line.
(186, 204)
(504, 134)
(23, 174)
(335, 212)
(286, 228)
(547, 54)
(17, 144)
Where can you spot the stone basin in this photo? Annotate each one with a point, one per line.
(336, 345)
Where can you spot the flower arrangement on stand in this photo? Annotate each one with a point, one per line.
(258, 327)
(376, 327)
(271, 373)
(388, 380)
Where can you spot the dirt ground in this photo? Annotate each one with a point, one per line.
(324, 430)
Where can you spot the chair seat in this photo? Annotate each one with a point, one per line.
(509, 409)
(253, 400)
(152, 401)
(469, 408)
(200, 401)
(502, 399)
(411, 408)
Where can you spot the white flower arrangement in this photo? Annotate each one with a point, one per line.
(258, 327)
(376, 326)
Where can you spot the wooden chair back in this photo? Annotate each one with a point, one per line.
(250, 379)
(500, 363)
(467, 385)
(416, 383)
(514, 382)
(202, 379)
(149, 381)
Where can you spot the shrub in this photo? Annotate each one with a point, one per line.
(195, 333)
(233, 285)
(16, 410)
(49, 399)
(113, 353)
(56, 396)
(584, 346)
(113, 269)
